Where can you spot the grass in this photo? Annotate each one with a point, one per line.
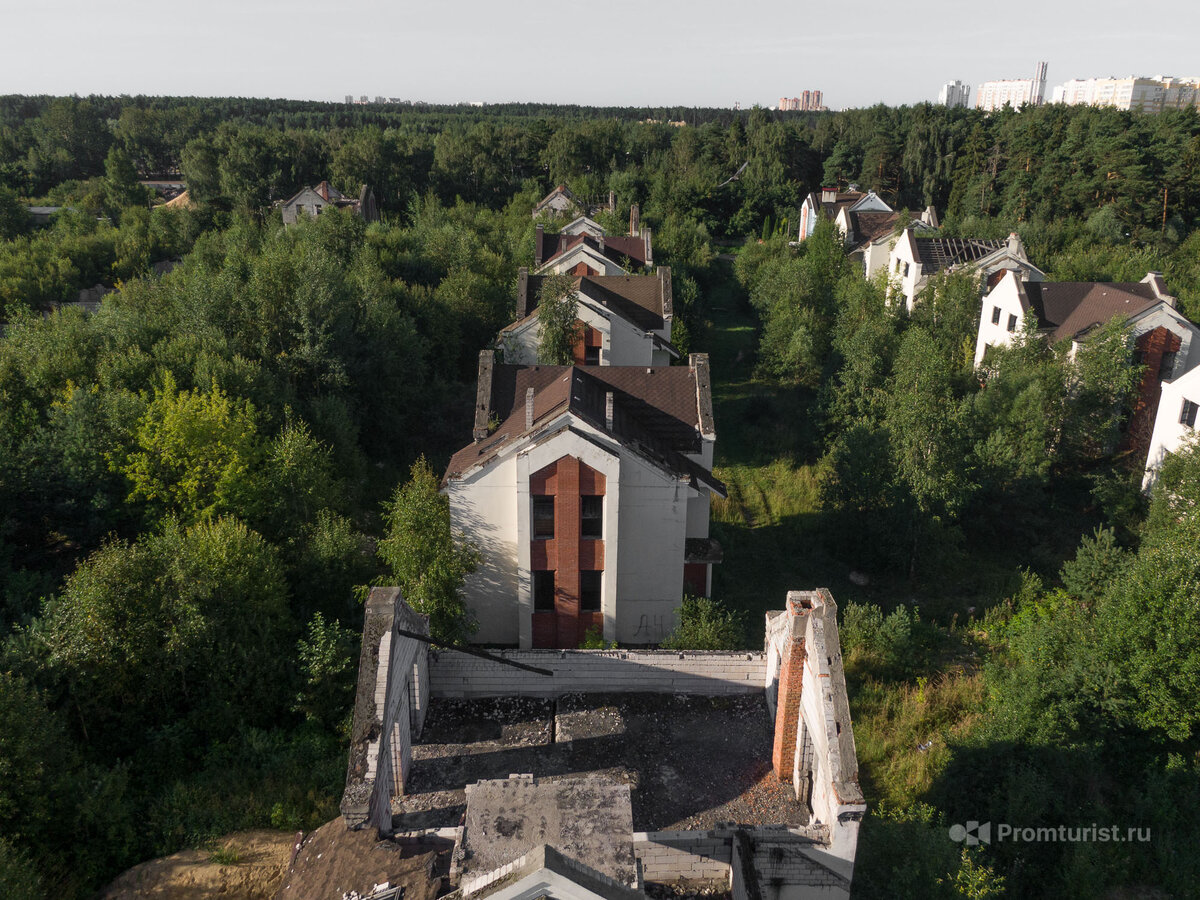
(225, 855)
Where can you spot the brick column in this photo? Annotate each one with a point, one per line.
(791, 679)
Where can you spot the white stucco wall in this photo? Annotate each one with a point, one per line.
(622, 343)
(1005, 296)
(600, 263)
(1169, 433)
(483, 508)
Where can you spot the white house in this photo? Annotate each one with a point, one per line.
(870, 235)
(1175, 423)
(625, 319)
(559, 202)
(830, 201)
(1164, 340)
(587, 491)
(915, 259)
(583, 225)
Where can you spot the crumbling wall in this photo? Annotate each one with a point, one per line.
(455, 674)
(814, 746)
(389, 709)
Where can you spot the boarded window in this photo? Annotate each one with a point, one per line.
(1187, 415)
(995, 315)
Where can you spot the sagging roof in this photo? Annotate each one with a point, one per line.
(560, 191)
(659, 413)
(644, 300)
(1069, 309)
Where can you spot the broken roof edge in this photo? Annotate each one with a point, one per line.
(545, 857)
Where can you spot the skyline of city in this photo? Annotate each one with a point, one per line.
(657, 55)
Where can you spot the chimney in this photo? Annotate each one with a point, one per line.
(537, 246)
(522, 292)
(792, 655)
(528, 408)
(1015, 247)
(649, 249)
(608, 410)
(1159, 286)
(668, 299)
(601, 240)
(483, 395)
(612, 201)
(930, 217)
(828, 195)
(635, 220)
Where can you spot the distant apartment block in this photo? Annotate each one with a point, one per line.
(954, 93)
(1014, 92)
(808, 101)
(1149, 95)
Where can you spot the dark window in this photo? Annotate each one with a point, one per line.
(1167, 368)
(1187, 415)
(589, 591)
(592, 510)
(543, 518)
(591, 356)
(1012, 323)
(543, 591)
(995, 315)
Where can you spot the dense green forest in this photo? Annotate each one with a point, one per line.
(197, 481)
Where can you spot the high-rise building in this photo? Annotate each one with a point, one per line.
(1014, 92)
(349, 98)
(954, 93)
(1150, 95)
(808, 101)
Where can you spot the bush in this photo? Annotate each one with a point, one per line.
(705, 624)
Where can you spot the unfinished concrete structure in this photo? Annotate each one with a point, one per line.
(737, 769)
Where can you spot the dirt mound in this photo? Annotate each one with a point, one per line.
(248, 866)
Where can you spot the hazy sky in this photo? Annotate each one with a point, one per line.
(616, 52)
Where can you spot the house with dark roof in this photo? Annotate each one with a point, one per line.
(870, 235)
(1175, 422)
(1163, 338)
(587, 490)
(561, 203)
(584, 249)
(830, 202)
(310, 201)
(915, 259)
(624, 320)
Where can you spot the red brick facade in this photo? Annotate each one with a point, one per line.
(787, 708)
(592, 339)
(1151, 348)
(568, 553)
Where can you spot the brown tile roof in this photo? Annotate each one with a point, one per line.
(615, 248)
(636, 298)
(870, 226)
(842, 198)
(1070, 308)
(656, 411)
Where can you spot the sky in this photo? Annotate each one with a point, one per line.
(611, 53)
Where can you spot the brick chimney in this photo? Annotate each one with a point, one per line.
(791, 679)
(649, 248)
(483, 395)
(635, 220)
(528, 408)
(829, 195)
(537, 246)
(522, 292)
(608, 410)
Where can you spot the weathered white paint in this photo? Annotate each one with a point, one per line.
(581, 253)
(648, 514)
(1170, 433)
(623, 343)
(1005, 297)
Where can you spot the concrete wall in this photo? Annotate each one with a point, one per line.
(455, 674)
(1004, 296)
(390, 705)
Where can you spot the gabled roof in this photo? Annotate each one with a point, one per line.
(660, 413)
(617, 249)
(1069, 309)
(561, 191)
(643, 300)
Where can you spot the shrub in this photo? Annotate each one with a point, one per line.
(705, 624)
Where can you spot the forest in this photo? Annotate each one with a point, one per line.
(199, 481)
